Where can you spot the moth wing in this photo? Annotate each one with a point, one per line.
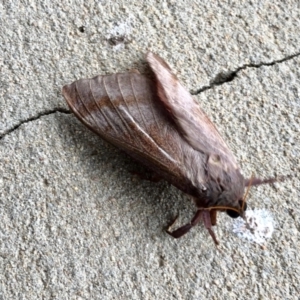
(168, 133)
(124, 110)
(192, 122)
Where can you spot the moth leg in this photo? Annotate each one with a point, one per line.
(185, 228)
(173, 222)
(209, 219)
(213, 217)
(206, 216)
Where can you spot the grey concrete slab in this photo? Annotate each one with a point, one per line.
(76, 223)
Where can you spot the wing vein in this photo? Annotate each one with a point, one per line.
(117, 77)
(144, 133)
(117, 111)
(102, 111)
(152, 110)
(137, 103)
(79, 96)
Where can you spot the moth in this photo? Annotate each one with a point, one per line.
(158, 123)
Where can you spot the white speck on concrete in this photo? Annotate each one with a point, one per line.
(257, 227)
(119, 33)
(120, 28)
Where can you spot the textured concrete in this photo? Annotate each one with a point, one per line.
(75, 222)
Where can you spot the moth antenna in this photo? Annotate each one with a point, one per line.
(258, 181)
(247, 191)
(220, 207)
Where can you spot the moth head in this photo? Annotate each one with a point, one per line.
(233, 202)
(242, 203)
(235, 213)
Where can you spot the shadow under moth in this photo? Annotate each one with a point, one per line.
(158, 123)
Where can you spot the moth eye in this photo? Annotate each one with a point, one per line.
(234, 214)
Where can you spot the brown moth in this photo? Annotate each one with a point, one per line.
(159, 124)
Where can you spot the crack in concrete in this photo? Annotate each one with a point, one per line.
(220, 79)
(225, 77)
(34, 118)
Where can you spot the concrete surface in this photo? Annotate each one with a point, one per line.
(75, 222)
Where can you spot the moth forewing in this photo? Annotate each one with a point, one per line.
(123, 109)
(196, 127)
